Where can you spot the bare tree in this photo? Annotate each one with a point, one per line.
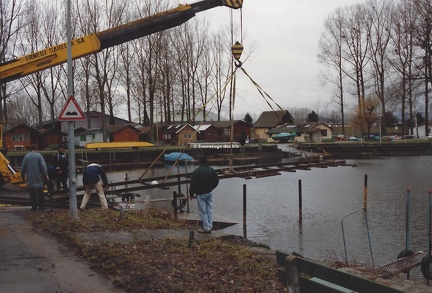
(402, 59)
(331, 54)
(379, 14)
(357, 44)
(12, 14)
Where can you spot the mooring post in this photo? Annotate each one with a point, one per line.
(300, 200)
(244, 212)
(174, 204)
(121, 212)
(365, 193)
(407, 226)
(191, 238)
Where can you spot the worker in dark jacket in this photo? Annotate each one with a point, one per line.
(91, 180)
(203, 180)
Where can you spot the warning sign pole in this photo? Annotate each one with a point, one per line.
(71, 124)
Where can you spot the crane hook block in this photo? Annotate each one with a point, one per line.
(237, 50)
(234, 4)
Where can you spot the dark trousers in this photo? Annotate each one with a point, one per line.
(37, 198)
(61, 180)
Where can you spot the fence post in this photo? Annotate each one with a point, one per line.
(244, 212)
(300, 200)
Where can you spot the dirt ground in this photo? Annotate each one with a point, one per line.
(36, 262)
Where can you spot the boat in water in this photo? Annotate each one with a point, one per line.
(283, 136)
(177, 156)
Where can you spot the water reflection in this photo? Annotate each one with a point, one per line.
(328, 195)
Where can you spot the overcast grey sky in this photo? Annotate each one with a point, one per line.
(284, 63)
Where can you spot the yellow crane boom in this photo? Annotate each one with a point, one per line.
(93, 43)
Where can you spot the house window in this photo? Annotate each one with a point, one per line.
(20, 137)
(82, 138)
(227, 131)
(324, 132)
(166, 136)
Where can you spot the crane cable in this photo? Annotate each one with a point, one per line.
(234, 80)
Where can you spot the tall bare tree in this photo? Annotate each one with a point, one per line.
(331, 47)
(12, 21)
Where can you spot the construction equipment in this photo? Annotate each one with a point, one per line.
(94, 43)
(8, 173)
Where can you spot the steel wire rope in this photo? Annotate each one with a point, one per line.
(212, 98)
(264, 94)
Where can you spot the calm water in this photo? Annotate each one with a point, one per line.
(328, 196)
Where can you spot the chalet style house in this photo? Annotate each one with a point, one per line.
(269, 120)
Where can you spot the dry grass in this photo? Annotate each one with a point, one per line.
(168, 265)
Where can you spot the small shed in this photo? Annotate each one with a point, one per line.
(240, 129)
(51, 138)
(120, 133)
(207, 133)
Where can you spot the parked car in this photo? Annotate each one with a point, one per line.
(408, 136)
(371, 137)
(389, 138)
(354, 138)
(341, 137)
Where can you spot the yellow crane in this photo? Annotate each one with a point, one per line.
(94, 43)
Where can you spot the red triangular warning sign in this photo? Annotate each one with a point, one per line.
(71, 111)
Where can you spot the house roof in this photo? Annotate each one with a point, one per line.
(117, 128)
(21, 126)
(270, 119)
(174, 128)
(222, 124)
(96, 114)
(46, 130)
(300, 127)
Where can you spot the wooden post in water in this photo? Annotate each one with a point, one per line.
(174, 204)
(365, 193)
(300, 201)
(244, 211)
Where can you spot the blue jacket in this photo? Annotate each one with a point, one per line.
(93, 173)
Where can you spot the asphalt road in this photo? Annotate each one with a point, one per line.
(32, 262)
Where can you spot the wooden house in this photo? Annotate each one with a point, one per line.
(51, 138)
(207, 133)
(269, 120)
(20, 137)
(180, 134)
(118, 133)
(240, 128)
